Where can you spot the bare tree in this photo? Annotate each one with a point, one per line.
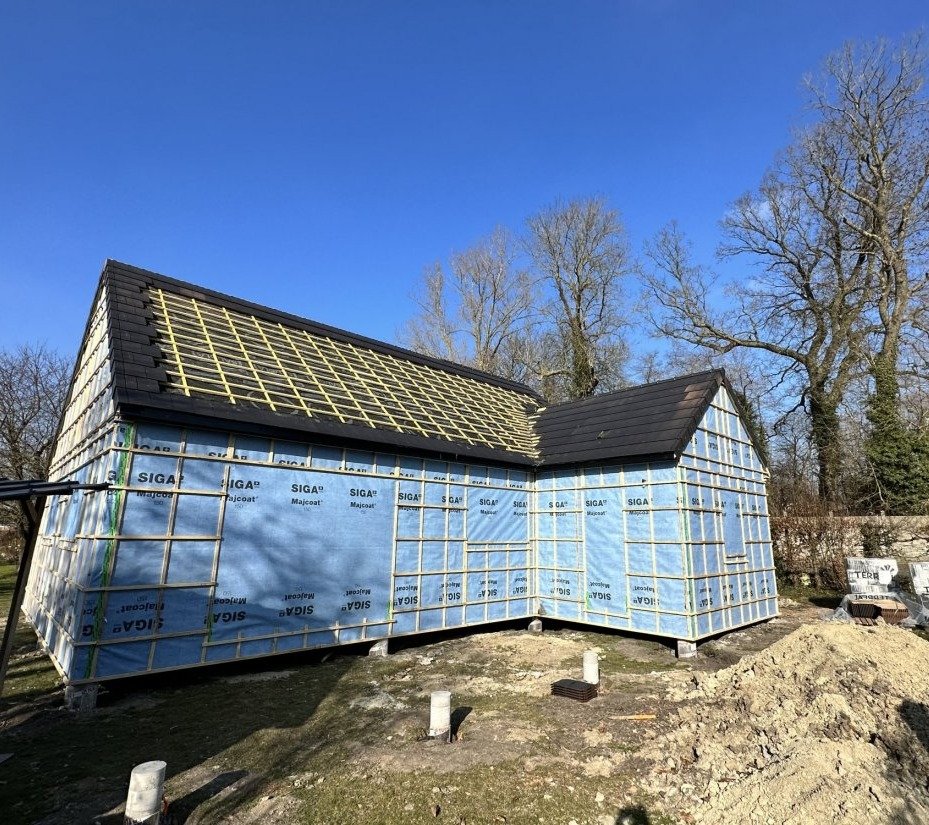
(34, 383)
(873, 143)
(434, 329)
(838, 233)
(803, 304)
(873, 146)
(794, 470)
(478, 315)
(580, 253)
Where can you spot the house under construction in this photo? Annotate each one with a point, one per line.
(280, 485)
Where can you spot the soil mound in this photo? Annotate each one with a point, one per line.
(828, 725)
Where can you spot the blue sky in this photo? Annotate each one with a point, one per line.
(315, 156)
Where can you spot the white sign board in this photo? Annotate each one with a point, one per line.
(919, 573)
(872, 576)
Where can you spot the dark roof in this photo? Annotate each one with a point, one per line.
(649, 421)
(193, 356)
(190, 352)
(129, 281)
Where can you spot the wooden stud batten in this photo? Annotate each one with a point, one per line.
(651, 537)
(393, 558)
(124, 464)
(168, 544)
(272, 351)
(128, 588)
(387, 391)
(171, 341)
(91, 396)
(353, 411)
(216, 359)
(690, 600)
(310, 375)
(211, 597)
(446, 588)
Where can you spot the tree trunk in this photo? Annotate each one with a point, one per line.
(886, 382)
(824, 418)
(583, 375)
(890, 445)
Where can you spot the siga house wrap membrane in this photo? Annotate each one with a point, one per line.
(280, 485)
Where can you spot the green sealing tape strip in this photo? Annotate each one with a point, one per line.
(113, 529)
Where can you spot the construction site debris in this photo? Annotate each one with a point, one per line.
(828, 725)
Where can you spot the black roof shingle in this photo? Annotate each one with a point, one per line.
(168, 373)
(648, 421)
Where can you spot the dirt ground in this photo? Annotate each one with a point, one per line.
(828, 725)
(825, 725)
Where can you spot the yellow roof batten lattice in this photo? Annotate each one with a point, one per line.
(212, 351)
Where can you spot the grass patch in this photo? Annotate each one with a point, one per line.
(336, 741)
(815, 596)
(499, 793)
(613, 661)
(29, 679)
(304, 722)
(246, 725)
(30, 675)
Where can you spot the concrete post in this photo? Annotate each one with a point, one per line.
(591, 667)
(686, 650)
(440, 715)
(146, 790)
(379, 648)
(81, 698)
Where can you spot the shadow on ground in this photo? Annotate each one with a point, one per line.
(633, 816)
(230, 721)
(457, 717)
(916, 716)
(830, 602)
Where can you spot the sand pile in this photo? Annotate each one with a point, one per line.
(828, 725)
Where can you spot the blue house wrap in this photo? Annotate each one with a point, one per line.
(278, 485)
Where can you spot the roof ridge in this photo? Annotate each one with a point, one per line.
(644, 385)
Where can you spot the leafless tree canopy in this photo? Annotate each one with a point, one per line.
(834, 239)
(825, 326)
(872, 143)
(551, 318)
(579, 251)
(480, 313)
(803, 304)
(33, 385)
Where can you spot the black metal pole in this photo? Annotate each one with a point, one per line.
(33, 513)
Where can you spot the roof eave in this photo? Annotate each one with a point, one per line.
(608, 458)
(185, 411)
